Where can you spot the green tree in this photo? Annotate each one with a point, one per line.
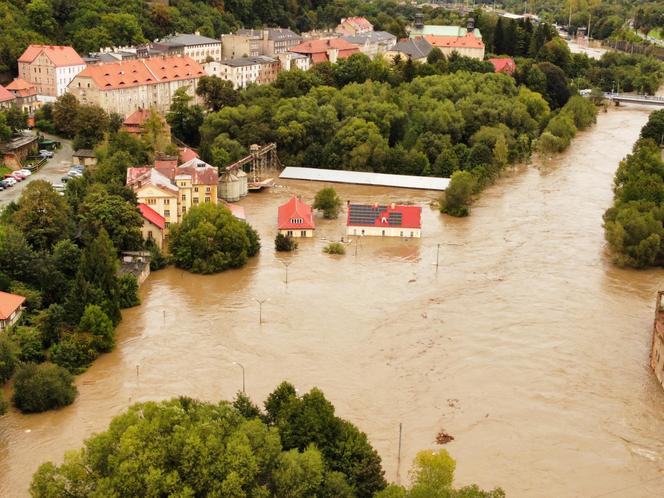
(75, 352)
(91, 123)
(184, 118)
(16, 255)
(8, 358)
(17, 119)
(654, 128)
(96, 323)
(42, 215)
(38, 388)
(458, 195)
(65, 115)
(217, 93)
(299, 475)
(128, 291)
(210, 239)
(284, 243)
(29, 342)
(123, 28)
(119, 218)
(328, 201)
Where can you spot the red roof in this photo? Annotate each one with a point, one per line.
(131, 73)
(237, 211)
(168, 165)
(187, 154)
(467, 41)
(360, 23)
(137, 118)
(503, 65)
(296, 215)
(201, 172)
(22, 88)
(395, 216)
(60, 56)
(152, 216)
(6, 95)
(9, 304)
(318, 49)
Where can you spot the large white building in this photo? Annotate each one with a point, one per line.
(244, 71)
(384, 221)
(49, 68)
(199, 48)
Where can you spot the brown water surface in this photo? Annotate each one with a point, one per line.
(527, 345)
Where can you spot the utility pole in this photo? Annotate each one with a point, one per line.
(286, 264)
(437, 253)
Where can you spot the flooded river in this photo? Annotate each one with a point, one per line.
(526, 344)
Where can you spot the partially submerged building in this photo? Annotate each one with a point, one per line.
(11, 307)
(657, 347)
(296, 219)
(384, 221)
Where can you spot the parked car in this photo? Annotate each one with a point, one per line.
(58, 187)
(11, 181)
(18, 176)
(45, 153)
(5, 184)
(25, 172)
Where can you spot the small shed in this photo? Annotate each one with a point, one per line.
(18, 149)
(11, 306)
(84, 157)
(136, 263)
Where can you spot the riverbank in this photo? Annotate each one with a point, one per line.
(527, 345)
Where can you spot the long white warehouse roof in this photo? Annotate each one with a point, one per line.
(362, 178)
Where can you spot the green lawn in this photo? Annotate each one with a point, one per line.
(657, 33)
(4, 170)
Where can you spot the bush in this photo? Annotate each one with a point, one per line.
(157, 258)
(38, 388)
(284, 243)
(459, 193)
(29, 342)
(328, 201)
(128, 291)
(8, 358)
(334, 248)
(74, 352)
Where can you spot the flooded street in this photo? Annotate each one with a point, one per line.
(527, 344)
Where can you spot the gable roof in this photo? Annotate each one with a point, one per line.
(370, 37)
(140, 177)
(137, 118)
(6, 95)
(395, 216)
(415, 48)
(357, 23)
(503, 64)
(187, 154)
(60, 56)
(187, 39)
(295, 209)
(84, 153)
(149, 71)
(320, 48)
(152, 216)
(430, 29)
(9, 303)
(467, 41)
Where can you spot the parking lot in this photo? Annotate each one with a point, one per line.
(52, 172)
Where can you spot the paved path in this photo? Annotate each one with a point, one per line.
(52, 172)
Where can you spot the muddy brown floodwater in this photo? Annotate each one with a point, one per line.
(527, 345)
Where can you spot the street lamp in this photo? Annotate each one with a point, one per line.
(260, 309)
(286, 264)
(242, 367)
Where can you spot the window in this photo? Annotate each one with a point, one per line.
(401, 234)
(152, 201)
(150, 234)
(168, 223)
(195, 200)
(184, 209)
(207, 189)
(167, 212)
(195, 189)
(303, 233)
(207, 199)
(412, 234)
(290, 233)
(184, 197)
(167, 201)
(383, 233)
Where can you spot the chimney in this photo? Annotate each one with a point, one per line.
(470, 25)
(419, 20)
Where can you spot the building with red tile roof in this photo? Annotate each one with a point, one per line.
(503, 65)
(468, 45)
(135, 123)
(353, 26)
(385, 221)
(154, 225)
(127, 86)
(7, 98)
(50, 68)
(10, 309)
(296, 219)
(326, 50)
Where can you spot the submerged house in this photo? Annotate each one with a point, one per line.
(657, 347)
(384, 221)
(296, 219)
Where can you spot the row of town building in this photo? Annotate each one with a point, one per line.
(123, 80)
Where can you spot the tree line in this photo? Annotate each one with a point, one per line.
(634, 225)
(294, 446)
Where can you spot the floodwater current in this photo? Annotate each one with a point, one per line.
(526, 343)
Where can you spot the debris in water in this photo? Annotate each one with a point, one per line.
(412, 280)
(443, 437)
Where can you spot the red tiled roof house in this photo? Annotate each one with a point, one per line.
(296, 219)
(503, 65)
(154, 226)
(468, 45)
(25, 93)
(50, 68)
(384, 221)
(352, 26)
(11, 306)
(124, 87)
(7, 98)
(326, 50)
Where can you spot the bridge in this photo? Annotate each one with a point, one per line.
(620, 98)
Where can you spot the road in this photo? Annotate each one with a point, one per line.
(52, 172)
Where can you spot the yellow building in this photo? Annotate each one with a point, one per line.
(156, 191)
